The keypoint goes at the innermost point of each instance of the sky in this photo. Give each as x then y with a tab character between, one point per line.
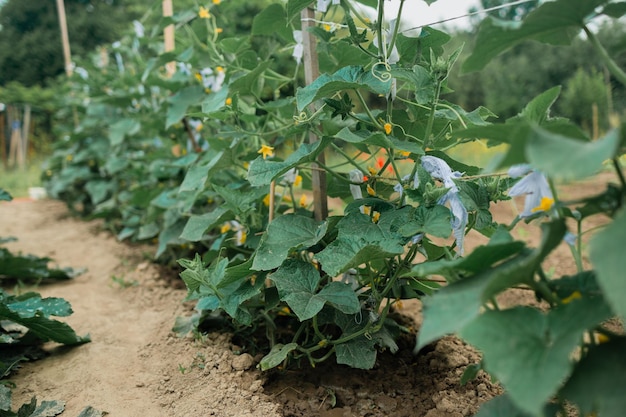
419	13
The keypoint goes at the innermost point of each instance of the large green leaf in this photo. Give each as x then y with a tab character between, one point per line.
264	171
215	101
358	353
180	102
34	305
564	158
197	276
542	345
364	136
556	22
538	109
597	384
297	283
284	234
246	84
433	221
122	128
347	78
502	405
608	259
294	7
359	240
459	304
197	225
240	201
421	82
44	328
272	21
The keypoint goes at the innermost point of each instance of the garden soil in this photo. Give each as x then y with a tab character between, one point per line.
136	366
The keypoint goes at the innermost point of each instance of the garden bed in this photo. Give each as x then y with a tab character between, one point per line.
135	365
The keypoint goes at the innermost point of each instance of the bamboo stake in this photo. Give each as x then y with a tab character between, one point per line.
67	56
3	143
312	72
168	35
25	133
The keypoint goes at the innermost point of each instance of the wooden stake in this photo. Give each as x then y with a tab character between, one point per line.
168	35
25	133
3	143
311	73
67	56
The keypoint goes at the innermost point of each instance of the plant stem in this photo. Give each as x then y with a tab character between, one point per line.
604	55
542	288
397	26
620	174
367	110
345	155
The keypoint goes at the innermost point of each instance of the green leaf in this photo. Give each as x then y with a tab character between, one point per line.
358	353
5	398
500	406
122	128
180	102
4	195
49	409
194	179
294	7
264	171
563	158
341	296
34	305
615	10
543	344
297	283
198	224
44	328
98	190
597	384
457	305
556	22
433	221
359	240
538	109
364	136
285	234
607	256
89	411
272	21
347	78
421	80
197	276
277	355
215	101
170	235
247	83
240	201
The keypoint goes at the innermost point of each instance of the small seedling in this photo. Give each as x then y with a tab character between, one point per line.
123	282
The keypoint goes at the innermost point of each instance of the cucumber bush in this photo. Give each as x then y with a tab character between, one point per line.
216	164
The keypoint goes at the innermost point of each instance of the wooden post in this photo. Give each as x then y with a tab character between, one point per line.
311	73
168	35
67	56
3	142
25	133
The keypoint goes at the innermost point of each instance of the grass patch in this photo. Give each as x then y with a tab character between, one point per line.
17	181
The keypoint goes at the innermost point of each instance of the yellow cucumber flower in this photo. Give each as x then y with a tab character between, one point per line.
266	151
203	13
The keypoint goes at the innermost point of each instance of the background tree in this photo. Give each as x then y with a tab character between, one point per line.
30	40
